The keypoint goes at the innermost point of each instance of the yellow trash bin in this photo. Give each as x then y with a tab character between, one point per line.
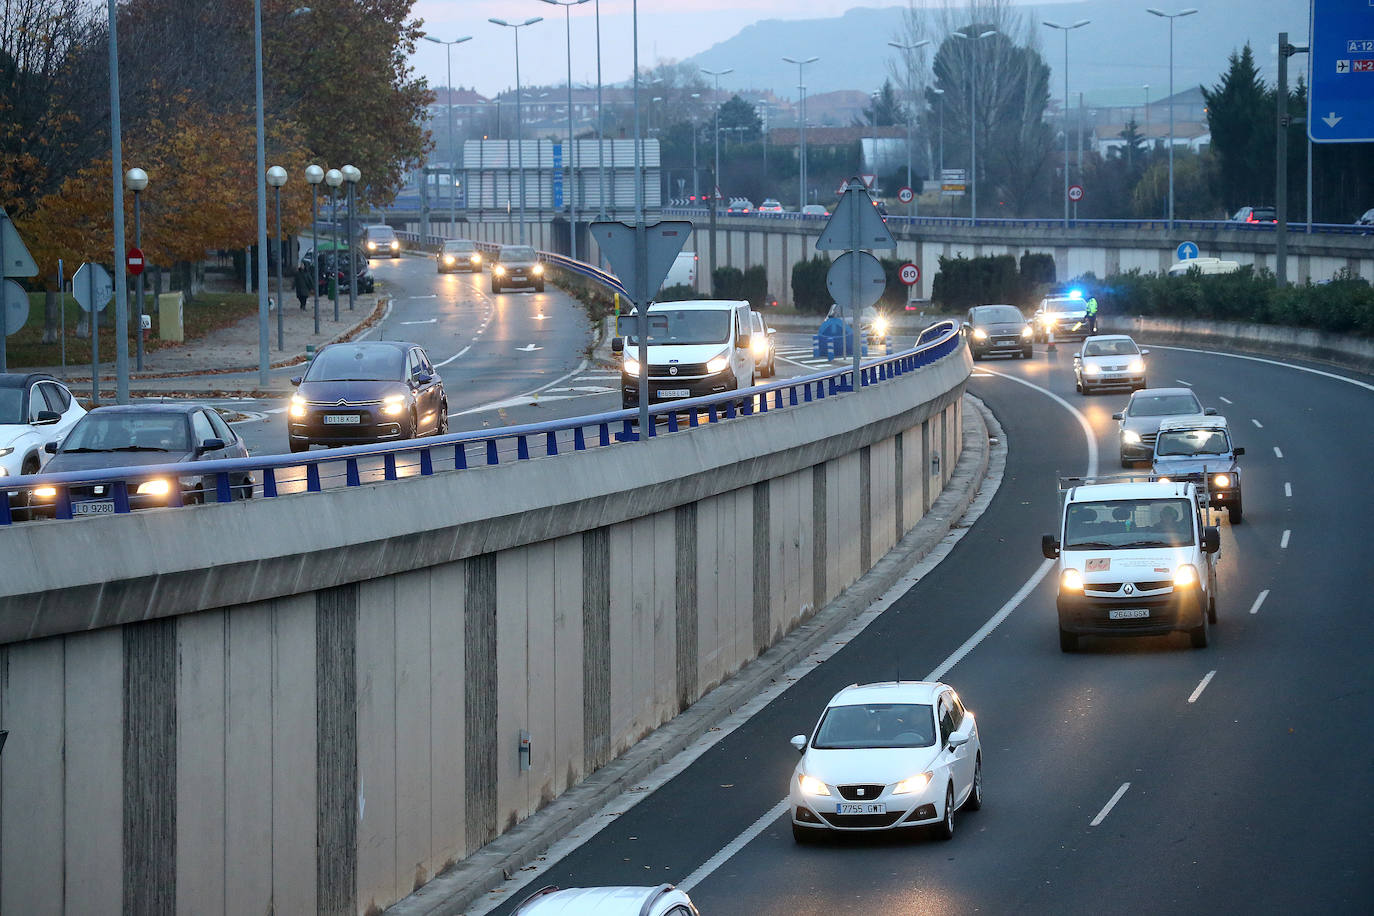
169	317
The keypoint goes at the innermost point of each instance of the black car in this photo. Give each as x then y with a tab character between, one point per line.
335	264
373	391
142	434
997	329
458	254
381	242
516	265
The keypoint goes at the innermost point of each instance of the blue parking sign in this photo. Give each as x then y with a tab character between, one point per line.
1341	72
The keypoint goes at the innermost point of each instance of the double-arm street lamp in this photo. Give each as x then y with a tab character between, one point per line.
801	125
717	74
452	150
1066	29
907	50
973	119
519	128
1171	17
572	140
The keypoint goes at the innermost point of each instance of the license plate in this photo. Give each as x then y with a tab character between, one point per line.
674	392
93	507
1129	613
342	419
860	808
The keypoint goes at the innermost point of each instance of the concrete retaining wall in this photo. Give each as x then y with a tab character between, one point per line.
1349	352
316	702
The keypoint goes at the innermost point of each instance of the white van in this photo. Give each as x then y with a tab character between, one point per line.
1136	558
1204	266
696	348
683	272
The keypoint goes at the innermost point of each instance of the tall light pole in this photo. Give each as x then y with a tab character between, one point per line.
696	186
941	93
1066	29
519	128
276	177
136	180
121	300
600	130
801	124
911	106
1171	17
568	164
352	176
313	176
334	178
717	74
260	188
973	120
452	151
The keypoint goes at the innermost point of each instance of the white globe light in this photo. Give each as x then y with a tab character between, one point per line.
351	174
333	178
314	174
136	179
276	176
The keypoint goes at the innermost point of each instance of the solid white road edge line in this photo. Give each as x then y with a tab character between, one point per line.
1283	541
1107	809
1259	599
380	324
1275	362
1197	692
453	357
734	846
1278	452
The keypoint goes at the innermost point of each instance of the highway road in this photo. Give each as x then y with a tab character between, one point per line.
1137	775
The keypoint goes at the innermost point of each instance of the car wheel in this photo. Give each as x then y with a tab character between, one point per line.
441	429
539	288
1068	642
975	793
1212	605
1235	512
245	489
299	446
495	287
1127	463
31	466
1199	634
945	829
803	835
1027	353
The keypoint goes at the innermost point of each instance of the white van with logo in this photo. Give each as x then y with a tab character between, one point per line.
1136	558
696	348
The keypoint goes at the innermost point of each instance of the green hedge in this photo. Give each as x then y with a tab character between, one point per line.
750	284
1345	305
808	285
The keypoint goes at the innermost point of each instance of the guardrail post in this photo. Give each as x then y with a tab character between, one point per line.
351	477
551	443
605	437
222	494
63	503
460	456
694	418
579	440
389	466
312	478
522	448
672	422
491	452
269	482
121	496
5	517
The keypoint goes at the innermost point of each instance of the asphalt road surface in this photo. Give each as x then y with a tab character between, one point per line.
1240	773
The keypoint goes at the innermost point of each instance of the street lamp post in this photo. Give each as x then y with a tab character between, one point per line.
568	164
313	176
941	93
973	121
137	180
519	128
121	300
715	176
696	186
276	177
801	125
452	153
911	102
260	188
333	178
600	130
1171	17
1066	29
352	176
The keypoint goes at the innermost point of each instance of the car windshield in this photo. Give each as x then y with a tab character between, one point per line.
381	233
876	725
998	314
353	363
684	326
1062	305
119	431
1127	523
1189	442
517	253
459	247
1110	348
1163	405
11	403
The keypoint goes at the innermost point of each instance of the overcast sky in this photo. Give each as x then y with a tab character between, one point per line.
667	29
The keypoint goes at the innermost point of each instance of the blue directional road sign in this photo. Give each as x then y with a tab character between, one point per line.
1341	72
558	176
1187	251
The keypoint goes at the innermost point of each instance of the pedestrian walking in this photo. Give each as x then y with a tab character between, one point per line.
302	285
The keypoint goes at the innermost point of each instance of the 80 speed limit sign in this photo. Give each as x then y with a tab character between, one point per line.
909	274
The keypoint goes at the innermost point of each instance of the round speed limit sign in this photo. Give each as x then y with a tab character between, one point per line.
909	274
906	195
1075	192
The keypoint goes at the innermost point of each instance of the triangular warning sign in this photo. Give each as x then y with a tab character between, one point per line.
17	260
855	225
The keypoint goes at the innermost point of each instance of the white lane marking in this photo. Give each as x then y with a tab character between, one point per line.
423	321
527	348
1197	692
1184	382
1107	809
734	846
453	357
276	410
1259	599
1288	489
523	398
1083	424
1258	424
1275	362
1224	400
1283	541
431	296
1002	614
1278	452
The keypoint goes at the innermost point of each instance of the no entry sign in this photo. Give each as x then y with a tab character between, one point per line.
134	261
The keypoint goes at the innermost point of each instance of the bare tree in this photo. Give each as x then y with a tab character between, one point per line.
910	71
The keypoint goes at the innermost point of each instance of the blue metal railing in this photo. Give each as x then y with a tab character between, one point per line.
278	475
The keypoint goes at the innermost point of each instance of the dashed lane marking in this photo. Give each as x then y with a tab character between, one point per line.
1283	541
1107	809
1278	452
1259	599
1197	692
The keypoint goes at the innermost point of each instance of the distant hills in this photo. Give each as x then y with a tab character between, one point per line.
1124	47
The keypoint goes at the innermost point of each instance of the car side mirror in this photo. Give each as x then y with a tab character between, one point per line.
742	342
617	345
1238	451
771	331
423	378
47	417
1209	411
1116	416
1211	539
1049	546
799	742
297	380
50	448
1145	352
958	740
211	445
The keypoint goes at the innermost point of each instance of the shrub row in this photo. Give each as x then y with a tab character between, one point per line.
965	282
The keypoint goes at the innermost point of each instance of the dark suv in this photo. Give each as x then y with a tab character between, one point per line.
516	265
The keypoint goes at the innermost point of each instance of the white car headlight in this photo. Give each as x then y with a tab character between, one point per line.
980	334
1092	369
449	259
912	784
880	328
476	259
158	487
1166	480
1130	437
1027	332
1071	580
631	366
718	364
1221	480
539	270
810	785
297	408
395	246
499	270
371	246
759	346
45	492
393	405
1185	575
1137	365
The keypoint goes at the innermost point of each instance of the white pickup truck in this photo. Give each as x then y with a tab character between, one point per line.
1136	557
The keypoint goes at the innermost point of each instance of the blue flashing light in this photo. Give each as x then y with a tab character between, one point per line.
1075	294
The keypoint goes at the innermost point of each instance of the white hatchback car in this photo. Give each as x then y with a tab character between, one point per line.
1109	361
663	900
34	409
887	756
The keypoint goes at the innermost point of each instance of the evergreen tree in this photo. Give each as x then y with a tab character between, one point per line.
1240	115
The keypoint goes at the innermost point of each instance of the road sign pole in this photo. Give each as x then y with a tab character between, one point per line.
138	279
854	230
641	294
4	316
95	337
62	314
